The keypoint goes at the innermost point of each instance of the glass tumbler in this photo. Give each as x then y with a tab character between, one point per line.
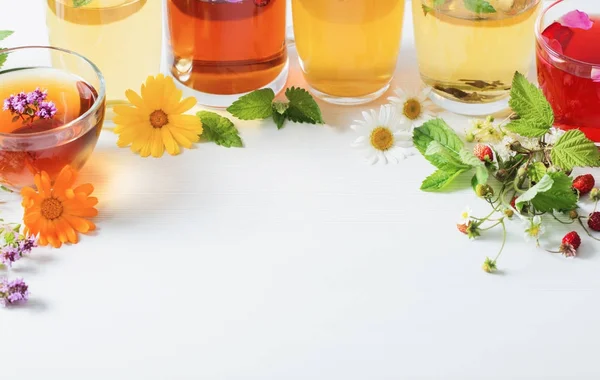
122	37
222	49
348	49
568	64
469	54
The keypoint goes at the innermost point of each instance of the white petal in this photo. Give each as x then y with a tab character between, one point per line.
424	94
401	94
382	158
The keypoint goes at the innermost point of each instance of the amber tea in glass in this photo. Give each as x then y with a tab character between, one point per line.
32	141
224	48
469	53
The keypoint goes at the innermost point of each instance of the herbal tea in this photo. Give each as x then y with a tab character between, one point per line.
471	57
348	48
568	86
39	100
226	47
122	37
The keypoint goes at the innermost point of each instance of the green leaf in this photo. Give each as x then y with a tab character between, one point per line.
479	6
426	9
219	130
3	58
280	107
302	107
574	149
437	3
253	106
278	118
80	3
439	180
553	192
437	130
481	173
5	33
536	171
534	111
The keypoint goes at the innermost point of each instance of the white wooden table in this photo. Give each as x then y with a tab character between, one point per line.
291	259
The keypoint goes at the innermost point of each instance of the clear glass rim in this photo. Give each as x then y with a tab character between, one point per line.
97	103
539	29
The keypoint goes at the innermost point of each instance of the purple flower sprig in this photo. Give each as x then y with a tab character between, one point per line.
28	106
15	245
13	292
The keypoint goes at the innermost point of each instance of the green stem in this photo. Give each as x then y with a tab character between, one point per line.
492	226
561	221
503	241
586	230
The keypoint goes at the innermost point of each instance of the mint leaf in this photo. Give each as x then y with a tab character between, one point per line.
280	107
302	107
437	3
3	58
253	106
479	6
536	171
440	179
437	130
574	149
219	129
534	111
278	116
80	3
426	9
5	33
553	192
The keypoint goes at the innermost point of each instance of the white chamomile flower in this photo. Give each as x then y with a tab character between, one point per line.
383	137
534	228
414	107
465	216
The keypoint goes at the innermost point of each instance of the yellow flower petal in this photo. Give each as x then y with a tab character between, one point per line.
185	105
170	144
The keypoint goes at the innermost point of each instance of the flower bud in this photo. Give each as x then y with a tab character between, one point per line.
521	172
470	137
502	175
573	214
509	213
484	191
595	194
489	265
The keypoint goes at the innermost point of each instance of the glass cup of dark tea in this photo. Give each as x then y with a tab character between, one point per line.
50	116
568	63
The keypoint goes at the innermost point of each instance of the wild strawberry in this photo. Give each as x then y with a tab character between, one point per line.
261	3
513	202
594	221
584	183
463	228
570	244
483	152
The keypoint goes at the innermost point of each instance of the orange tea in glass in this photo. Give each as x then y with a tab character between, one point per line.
223	49
51	116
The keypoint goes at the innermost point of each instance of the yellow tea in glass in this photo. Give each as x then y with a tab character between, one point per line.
51	115
348	49
222	49
469	50
122	37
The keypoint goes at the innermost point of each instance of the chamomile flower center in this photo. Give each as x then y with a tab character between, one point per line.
51	208
382	138
412	108
158	119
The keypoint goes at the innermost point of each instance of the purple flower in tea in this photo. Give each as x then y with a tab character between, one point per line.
37	96
9	255
16	103
576	19
13	292
46	110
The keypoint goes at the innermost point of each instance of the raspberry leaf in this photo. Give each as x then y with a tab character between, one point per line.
440	179
574	149
534	111
253	106
536	171
219	130
553	192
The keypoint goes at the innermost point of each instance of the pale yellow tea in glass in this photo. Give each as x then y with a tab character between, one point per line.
348	49
122	37
469	50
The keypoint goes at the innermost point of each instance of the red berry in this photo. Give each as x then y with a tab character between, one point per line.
261	3
512	202
483	152
594	221
584	183
462	228
570	244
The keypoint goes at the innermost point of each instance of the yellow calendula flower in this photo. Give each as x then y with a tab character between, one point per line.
156	122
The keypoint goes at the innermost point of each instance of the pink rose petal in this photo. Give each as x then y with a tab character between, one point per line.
576	19
596	74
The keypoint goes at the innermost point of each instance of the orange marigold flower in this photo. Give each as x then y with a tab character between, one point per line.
56	212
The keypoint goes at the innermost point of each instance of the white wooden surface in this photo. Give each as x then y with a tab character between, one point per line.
291	259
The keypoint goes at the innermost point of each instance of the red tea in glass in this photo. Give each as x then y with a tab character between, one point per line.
568	60
57	127
225	48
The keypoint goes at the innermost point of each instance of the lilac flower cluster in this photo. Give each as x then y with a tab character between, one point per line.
16	249
13	292
30	104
